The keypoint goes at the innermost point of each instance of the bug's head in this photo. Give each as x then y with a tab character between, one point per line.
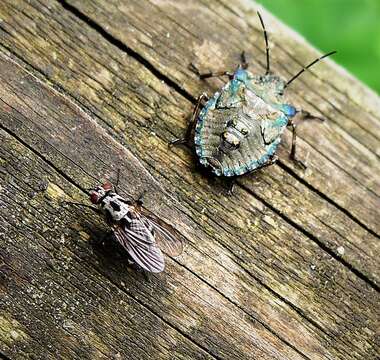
270	87
98	192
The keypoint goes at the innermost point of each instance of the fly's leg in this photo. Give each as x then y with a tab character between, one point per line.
194	116
117	181
137	268
132	264
129	259
140	199
305	115
104	239
116	186
83	205
144	273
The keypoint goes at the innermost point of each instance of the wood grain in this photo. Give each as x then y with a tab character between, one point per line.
87	92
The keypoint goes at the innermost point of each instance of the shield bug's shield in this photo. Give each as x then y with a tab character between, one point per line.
239	128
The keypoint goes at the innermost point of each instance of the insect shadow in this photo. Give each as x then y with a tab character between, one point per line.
110	255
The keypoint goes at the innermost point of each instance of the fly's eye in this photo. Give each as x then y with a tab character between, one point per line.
94	198
244	131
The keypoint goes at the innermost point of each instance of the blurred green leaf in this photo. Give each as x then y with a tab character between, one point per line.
352	27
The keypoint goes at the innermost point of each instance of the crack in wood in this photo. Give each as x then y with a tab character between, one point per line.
317	241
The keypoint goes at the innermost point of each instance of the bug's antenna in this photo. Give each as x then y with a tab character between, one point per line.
266	42
303	69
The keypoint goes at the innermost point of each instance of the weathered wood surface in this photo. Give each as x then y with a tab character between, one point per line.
285	269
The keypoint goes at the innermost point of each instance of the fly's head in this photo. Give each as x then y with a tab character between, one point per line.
99	192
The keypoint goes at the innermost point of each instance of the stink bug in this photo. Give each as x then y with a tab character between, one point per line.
238	129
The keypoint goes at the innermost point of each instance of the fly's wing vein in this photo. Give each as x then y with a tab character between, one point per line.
170	240
141	245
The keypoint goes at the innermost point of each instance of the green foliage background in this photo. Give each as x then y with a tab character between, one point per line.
352	27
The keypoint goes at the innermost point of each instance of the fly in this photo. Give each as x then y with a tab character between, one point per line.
141	233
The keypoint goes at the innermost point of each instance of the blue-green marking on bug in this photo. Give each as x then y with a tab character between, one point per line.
288	110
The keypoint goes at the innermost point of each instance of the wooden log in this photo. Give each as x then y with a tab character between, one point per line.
264	274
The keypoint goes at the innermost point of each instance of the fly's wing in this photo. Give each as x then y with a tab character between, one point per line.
168	239
140	244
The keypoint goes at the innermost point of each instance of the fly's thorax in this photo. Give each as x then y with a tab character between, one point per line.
114	206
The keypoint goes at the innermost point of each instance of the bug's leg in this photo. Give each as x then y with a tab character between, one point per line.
232	181
294	147
243	61
211	73
216	74
271	161
192	122
243	65
231	186
305	115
